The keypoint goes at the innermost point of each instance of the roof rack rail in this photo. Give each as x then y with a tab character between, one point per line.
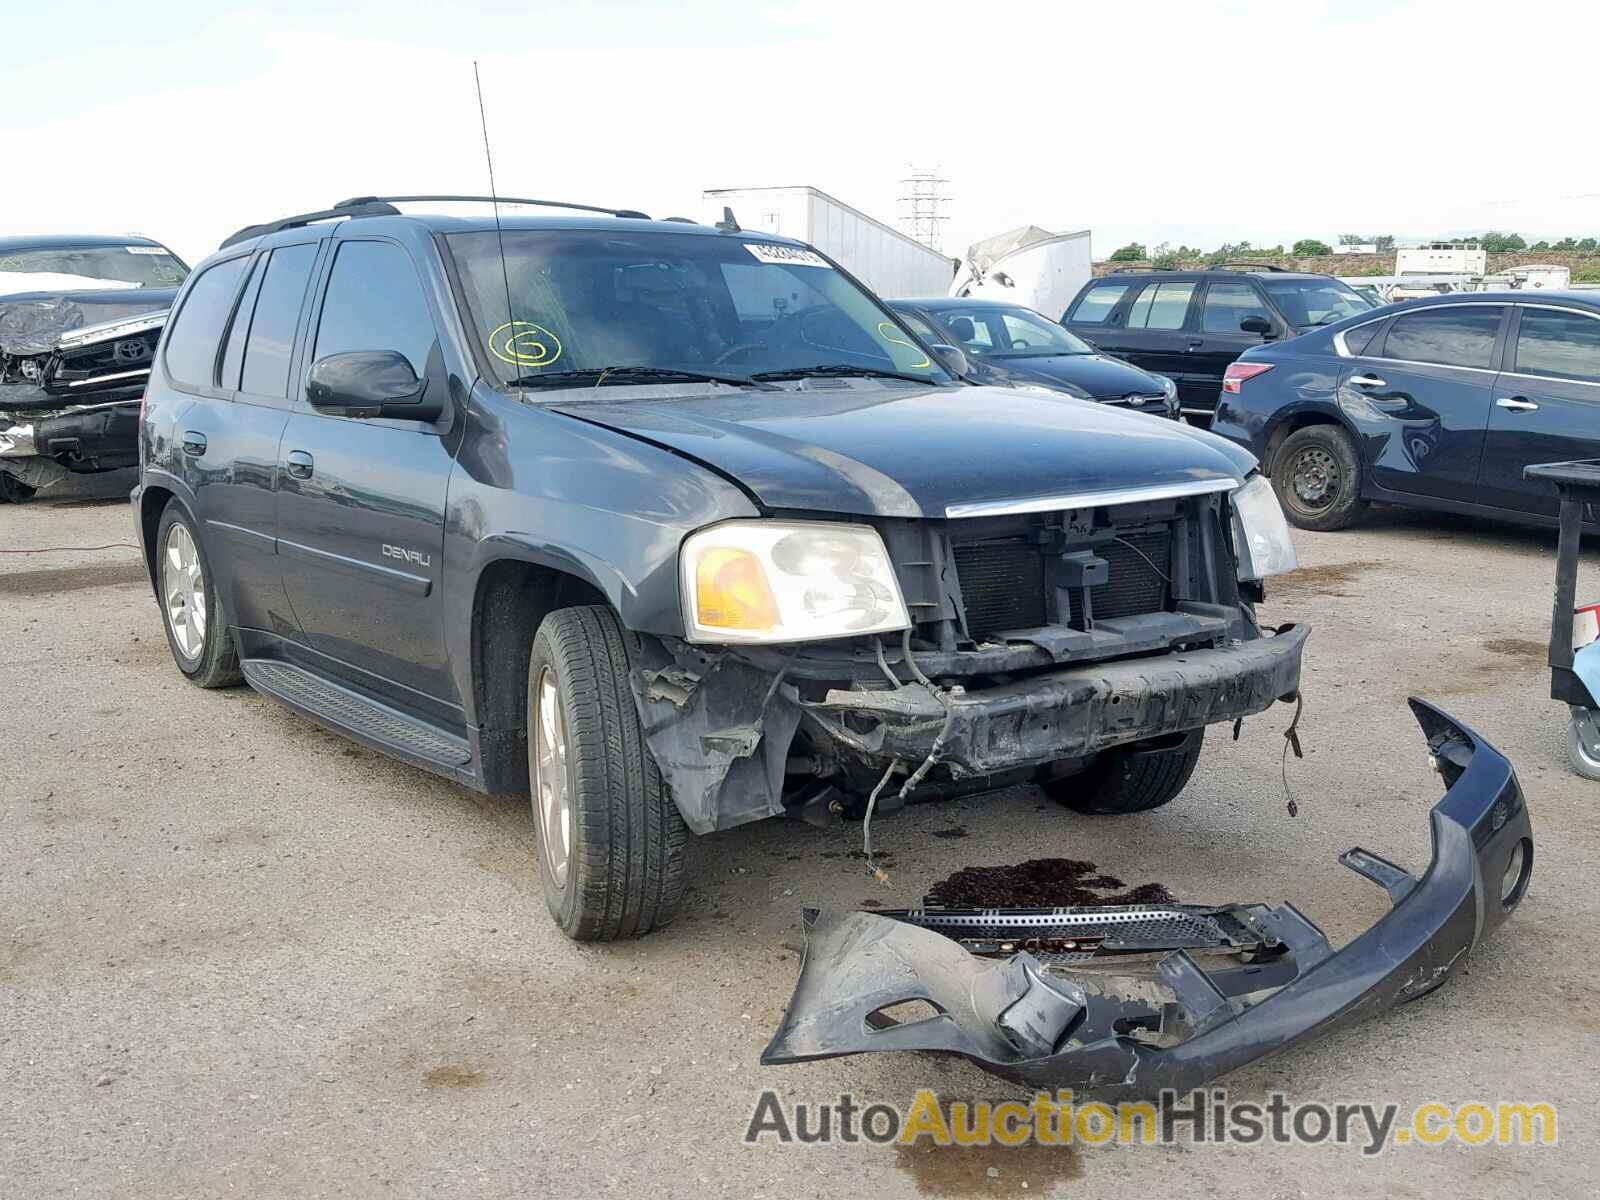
384	206
1246	265
1137	270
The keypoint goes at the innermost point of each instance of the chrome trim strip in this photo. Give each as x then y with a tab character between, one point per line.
98	379
1344	351
108	330
1160	491
1549	379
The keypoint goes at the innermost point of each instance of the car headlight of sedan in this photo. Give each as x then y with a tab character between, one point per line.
1169	388
788	581
1260	534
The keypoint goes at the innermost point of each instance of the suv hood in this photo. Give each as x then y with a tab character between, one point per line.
872	449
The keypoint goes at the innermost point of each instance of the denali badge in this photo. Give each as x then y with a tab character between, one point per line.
410	556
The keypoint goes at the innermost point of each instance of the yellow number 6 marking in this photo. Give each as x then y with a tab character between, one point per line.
524	344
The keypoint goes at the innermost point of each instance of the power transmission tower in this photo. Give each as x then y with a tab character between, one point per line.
921	203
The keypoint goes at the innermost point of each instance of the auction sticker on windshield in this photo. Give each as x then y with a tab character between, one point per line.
787	256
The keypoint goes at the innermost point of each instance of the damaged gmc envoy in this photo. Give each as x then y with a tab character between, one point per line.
681	526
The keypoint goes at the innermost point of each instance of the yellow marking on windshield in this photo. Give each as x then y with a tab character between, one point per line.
889	333
524	344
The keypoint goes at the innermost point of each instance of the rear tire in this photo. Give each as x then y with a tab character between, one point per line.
13	490
1317	475
1583	757
611	841
191	614
1131	779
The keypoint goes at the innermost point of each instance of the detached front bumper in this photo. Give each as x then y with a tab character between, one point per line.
1117	1035
1069	713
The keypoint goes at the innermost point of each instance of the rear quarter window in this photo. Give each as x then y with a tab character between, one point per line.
191	353
1358	339
1096	305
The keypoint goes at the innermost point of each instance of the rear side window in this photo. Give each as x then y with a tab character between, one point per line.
191	352
1229	303
1097	303
1452	337
1163	306
1358	339
1562	345
277	312
375	302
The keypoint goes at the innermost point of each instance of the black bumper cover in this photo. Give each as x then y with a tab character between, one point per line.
1067	713
1036	1027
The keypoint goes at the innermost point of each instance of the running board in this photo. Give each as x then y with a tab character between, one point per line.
356	716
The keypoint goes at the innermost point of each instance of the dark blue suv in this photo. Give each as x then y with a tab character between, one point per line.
1437	403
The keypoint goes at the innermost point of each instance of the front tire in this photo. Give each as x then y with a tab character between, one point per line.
1583	754
191	614
611	841
1317	475
1131	779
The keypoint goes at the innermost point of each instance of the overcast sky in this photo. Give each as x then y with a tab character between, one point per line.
1182	122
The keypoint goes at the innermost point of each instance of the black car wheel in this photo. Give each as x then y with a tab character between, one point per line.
1131	779
191	614
1317	475
611	840
13	490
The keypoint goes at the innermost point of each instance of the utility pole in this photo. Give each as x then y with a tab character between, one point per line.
921	202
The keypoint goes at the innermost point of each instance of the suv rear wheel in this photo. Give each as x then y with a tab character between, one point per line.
190	611
611	841
1317	475
1131	779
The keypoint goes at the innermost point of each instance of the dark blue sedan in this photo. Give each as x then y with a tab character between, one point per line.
1009	344
1437	403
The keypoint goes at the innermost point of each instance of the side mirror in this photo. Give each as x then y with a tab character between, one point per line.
952	359
369	383
1257	325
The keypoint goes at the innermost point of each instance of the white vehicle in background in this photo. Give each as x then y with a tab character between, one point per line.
1029	266
886	260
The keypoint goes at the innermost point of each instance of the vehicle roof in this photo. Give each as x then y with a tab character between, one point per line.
434	222
1217	273
942	303
72	241
1504	296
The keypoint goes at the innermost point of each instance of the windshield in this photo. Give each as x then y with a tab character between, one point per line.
1316	302
592	300
88	268
990	332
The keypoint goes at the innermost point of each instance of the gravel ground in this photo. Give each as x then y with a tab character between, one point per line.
241	956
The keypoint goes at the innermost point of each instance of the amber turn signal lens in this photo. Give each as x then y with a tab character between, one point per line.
731	591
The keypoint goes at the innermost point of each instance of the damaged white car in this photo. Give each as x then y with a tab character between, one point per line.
80	317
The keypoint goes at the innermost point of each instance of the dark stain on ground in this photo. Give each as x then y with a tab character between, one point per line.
51	580
452	1075
955	831
1040	883
961	1171
1320	579
1516	647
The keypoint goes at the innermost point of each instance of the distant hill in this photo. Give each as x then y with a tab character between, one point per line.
1585	267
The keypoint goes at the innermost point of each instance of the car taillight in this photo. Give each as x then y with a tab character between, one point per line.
1585	625
1233	378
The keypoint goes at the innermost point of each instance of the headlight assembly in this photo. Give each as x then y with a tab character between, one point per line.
788	581
1260	534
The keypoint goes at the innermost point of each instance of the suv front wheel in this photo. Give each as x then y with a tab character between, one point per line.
191	612
611	841
1317	475
1131	779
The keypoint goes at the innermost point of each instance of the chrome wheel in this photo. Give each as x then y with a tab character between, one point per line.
183	591
1316	478
550	785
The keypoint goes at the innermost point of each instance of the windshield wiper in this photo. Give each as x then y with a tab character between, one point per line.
603	376
827	370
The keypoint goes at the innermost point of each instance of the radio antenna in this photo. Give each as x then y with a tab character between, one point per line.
499	237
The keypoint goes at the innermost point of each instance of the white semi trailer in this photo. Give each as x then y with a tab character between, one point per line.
884	259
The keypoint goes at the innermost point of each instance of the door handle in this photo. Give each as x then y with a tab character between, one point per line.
1367	381
1516	404
1196	343
299	464
194	443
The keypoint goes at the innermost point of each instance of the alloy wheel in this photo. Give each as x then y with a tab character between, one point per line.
551	783
183	591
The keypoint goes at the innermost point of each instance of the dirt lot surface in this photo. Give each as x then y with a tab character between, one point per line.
240	956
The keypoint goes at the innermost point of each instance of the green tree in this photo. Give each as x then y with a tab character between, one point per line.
1384	242
1587	244
1165	258
1540	246
1311	248
1565	243
1496	242
1132	252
